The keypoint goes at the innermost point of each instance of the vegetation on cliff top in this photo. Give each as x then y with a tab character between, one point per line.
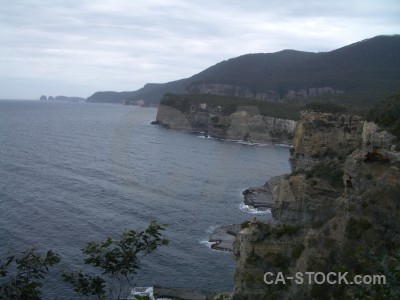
229	105
387	114
328	107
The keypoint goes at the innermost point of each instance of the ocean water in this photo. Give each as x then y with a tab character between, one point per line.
71	173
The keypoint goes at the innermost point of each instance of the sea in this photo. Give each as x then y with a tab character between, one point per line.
73	173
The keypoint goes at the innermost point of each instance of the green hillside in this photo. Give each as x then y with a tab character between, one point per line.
361	74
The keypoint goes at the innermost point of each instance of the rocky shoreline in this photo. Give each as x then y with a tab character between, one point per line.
164	292
223	237
261	197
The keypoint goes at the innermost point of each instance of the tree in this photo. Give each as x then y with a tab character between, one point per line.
118	261
30	269
387	114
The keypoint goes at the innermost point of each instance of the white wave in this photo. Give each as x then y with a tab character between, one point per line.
251	210
202	136
207	243
283	145
211	229
251	143
143	291
246	143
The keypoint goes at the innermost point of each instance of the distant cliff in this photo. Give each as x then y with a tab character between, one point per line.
272	95
337	211
150	94
223	118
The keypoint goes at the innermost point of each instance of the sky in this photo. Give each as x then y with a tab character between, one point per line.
78	47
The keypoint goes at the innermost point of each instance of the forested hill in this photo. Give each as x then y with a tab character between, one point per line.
361	73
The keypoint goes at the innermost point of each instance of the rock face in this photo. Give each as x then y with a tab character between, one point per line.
261	197
223	89
223	236
321	135
339	205
246	123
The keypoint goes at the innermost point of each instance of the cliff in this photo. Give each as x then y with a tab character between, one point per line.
150	93
273	95
337	211
223	120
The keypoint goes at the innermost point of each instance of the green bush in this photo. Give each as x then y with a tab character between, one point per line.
21	277
278	260
387	114
245	224
317	224
297	250
327	107
356	228
215	119
290	230
330	171
117	262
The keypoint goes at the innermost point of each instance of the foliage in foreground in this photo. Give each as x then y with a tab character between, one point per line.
117	261
24	281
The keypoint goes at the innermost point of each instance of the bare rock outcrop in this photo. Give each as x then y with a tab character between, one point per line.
324	135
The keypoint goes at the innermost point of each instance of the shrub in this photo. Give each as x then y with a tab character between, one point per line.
387	114
245	224
317	224
118	262
25	281
297	250
327	107
286	229
277	260
329	171
355	228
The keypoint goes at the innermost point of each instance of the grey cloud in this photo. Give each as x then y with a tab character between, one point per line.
95	45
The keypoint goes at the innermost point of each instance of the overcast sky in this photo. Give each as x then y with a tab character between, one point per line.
78	47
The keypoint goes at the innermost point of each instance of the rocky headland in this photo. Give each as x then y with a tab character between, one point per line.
223	121
337	211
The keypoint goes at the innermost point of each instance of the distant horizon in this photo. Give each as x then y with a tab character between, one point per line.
16	99
82	47
105	90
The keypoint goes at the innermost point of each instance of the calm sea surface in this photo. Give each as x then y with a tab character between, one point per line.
71	173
